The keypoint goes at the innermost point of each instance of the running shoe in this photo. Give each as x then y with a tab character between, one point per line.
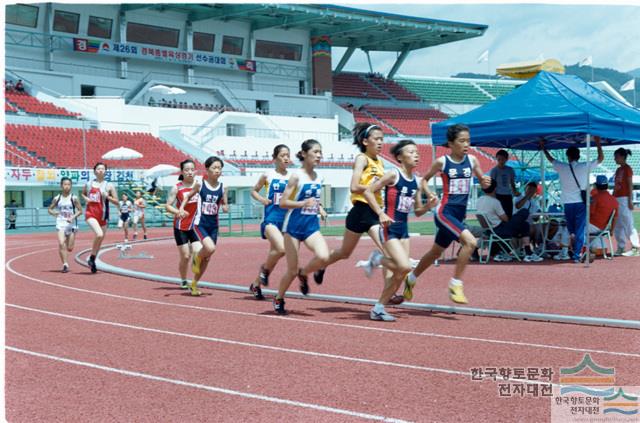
619	251
381	315
408	287
278	306
195	264
318	276
396	300
135	236
256	291
634	252
65	268
456	294
184	285
194	289
304	282
145	236
92	264
264	276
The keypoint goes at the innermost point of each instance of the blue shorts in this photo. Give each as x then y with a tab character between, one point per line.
203	231
396	230
278	224
450	223
302	229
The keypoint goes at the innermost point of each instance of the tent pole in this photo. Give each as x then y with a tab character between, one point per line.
586	225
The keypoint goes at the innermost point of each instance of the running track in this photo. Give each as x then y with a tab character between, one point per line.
82	347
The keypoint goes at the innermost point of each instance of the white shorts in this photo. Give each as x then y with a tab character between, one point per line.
68	228
136	218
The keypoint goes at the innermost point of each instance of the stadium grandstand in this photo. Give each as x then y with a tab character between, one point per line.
193	80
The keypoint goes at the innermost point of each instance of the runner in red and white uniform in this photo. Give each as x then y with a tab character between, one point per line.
97	194
186	238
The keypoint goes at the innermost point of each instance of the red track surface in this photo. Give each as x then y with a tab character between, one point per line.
121	349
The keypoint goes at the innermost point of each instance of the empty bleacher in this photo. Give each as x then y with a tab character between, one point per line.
408	121
21	157
441	91
32	105
8	108
64	147
263	159
497	90
390	87
354	85
360	115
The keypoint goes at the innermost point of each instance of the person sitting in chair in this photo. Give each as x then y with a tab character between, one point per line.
602	205
516	227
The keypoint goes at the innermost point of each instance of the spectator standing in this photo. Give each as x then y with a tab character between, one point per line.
505	177
573	184
623	191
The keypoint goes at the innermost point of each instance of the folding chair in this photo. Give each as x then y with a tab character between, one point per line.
490	236
606	232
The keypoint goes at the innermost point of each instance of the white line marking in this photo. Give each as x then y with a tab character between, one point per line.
276	400
315	322
245	344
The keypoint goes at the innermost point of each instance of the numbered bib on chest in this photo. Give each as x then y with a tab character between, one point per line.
313	210
405	204
209	208
459	186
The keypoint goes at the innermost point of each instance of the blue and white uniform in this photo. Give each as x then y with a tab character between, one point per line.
452	210
399	201
302	222
206	219
273	213
66	209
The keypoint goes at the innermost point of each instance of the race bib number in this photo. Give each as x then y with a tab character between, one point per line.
459	186
313	210
276	198
94	196
65	213
405	204
209	208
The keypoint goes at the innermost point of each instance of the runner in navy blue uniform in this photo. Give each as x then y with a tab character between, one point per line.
401	196
457	170
211	196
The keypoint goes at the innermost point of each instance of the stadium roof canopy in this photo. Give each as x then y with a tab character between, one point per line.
347	27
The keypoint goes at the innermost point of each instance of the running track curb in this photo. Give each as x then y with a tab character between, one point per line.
544	317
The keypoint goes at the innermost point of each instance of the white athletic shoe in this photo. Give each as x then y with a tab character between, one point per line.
502	258
634	252
381	315
533	258
414	263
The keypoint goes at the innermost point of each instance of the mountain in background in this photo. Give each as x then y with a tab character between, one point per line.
615	78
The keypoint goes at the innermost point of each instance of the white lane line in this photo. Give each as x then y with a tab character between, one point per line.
315	322
209	388
246	344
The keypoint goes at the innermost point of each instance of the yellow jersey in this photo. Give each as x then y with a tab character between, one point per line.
371	173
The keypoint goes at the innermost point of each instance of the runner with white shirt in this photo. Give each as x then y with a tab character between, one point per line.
66	208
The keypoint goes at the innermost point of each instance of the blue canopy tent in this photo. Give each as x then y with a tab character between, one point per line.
525	174
562	110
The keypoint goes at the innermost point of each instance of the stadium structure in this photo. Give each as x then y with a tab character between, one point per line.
193	80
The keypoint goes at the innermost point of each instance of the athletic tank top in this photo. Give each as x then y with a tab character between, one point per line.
125	206
400	197
370	174
191	207
208	204
456	181
66	208
306	188
275	186
136	208
98	207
